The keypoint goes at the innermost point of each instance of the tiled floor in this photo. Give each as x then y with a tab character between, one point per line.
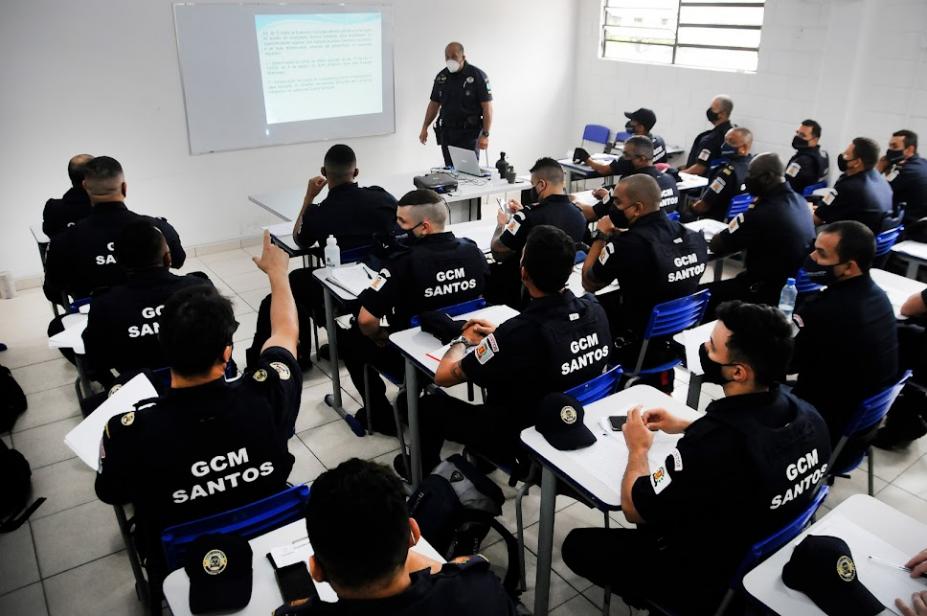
69	559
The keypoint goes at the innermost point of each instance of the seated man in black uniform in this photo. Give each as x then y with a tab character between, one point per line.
436	271
810	164
706	147
81	259
639	125
74	205
861	193
776	233
742	471
655	260
559	341
847	346
637	158
553	208
122	329
906	172
207	445
352	214
726	180
362	536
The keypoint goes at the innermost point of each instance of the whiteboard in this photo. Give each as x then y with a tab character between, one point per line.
257	75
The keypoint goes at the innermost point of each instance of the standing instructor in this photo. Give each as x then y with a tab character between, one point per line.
462	95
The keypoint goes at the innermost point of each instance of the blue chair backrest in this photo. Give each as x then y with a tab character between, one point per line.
674	215
353	255
454	310
804	284
809	190
596	133
762	549
874	408
595	389
580	257
887	239
676	315
739	205
622	136
247	522
77	303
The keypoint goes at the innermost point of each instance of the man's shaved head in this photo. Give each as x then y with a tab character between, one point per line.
103	178
643	189
76	168
745	135
454	47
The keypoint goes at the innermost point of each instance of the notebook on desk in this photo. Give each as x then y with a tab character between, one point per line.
353	278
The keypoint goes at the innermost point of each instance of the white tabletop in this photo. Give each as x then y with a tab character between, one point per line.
708	227
869	527
598	469
72	335
425	350
38	234
898	288
265	595
480	231
323	274
918	250
286	203
689	181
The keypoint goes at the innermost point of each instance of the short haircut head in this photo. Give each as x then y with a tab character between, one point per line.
641	145
761	337
76	168
358	523
867	150
908	136
767	169
425	203
548	258
102	176
140	245
745	134
725	102
454	46
340	163
642	188
856	242
814	126
197	324
548	169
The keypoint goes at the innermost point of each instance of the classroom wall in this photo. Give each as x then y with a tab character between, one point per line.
102	76
856	66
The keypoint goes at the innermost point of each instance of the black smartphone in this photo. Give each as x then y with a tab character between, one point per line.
616	421
294	581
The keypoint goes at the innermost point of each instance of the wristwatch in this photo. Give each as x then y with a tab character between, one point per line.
462	340
599	235
484	133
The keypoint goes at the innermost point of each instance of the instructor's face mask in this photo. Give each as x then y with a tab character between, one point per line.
799	142
453	66
711	368
711	114
820	274
894	156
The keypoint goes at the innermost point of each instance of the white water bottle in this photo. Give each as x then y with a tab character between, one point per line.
332	252
787	298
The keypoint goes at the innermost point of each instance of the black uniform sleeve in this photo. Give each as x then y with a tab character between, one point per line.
498	358
616	259
483	89
516	232
836	205
738	234
601	208
57	267
279	378
812	320
800	172
178	254
315	227
119	457
669	490
52	222
436	90
96	336
382	295
721	189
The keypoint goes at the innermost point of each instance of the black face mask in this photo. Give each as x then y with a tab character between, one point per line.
711	368
754	186
618	217
820	274
623	167
799	143
629	128
894	156
711	115
841	163
728	151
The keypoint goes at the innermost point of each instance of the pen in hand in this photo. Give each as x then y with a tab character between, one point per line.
887	563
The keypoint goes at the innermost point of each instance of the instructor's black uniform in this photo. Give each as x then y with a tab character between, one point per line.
460	95
741	472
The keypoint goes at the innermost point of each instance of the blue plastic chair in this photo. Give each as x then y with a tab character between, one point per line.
454	310
595	389
622	136
870	412
739	205
886	239
804	284
668	319
247	522
596	133
674	215
809	190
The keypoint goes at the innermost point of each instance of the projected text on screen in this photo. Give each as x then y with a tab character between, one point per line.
320	66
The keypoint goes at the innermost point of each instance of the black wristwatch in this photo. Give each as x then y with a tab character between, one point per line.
461	340
598	235
484	133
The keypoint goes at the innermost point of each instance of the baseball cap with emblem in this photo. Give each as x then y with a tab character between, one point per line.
219	567
645	116
822	567
560	421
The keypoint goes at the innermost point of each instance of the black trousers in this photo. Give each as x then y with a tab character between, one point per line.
358	351
310	305
632	564
466	138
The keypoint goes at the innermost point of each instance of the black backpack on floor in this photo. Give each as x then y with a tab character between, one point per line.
15	489
455	506
12	400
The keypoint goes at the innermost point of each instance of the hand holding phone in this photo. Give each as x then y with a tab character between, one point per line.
294	581
617	421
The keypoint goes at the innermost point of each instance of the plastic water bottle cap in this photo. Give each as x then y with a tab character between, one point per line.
790	281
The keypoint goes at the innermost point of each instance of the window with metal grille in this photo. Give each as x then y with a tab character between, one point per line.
723	34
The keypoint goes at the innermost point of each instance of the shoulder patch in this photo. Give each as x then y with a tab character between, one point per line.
829	197
893	174
717	185
607	251
728	170
515	223
282	370
127	419
704	155
486	349
377	283
677	460
793	169
735	223
660	479
441	78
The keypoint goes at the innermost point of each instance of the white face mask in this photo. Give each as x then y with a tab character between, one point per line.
453	66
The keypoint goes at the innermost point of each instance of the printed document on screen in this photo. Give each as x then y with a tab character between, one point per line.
320	66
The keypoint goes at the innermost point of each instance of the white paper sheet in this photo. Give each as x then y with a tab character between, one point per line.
84	439
72	336
352	278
